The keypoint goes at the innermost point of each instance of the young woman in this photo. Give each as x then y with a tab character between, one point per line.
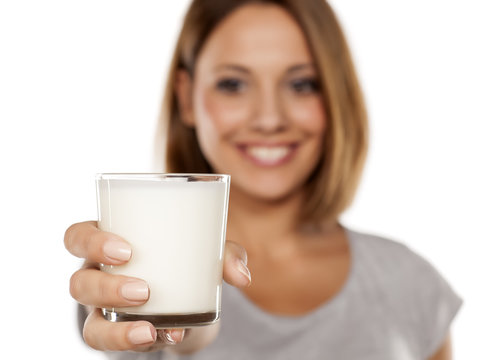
266	91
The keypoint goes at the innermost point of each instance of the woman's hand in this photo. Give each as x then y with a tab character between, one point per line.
96	289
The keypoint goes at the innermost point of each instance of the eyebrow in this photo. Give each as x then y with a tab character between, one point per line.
243	69
234	67
301	67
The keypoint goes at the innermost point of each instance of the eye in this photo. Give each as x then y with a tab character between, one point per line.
231	85
305	85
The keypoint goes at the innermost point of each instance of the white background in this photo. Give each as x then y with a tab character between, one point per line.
80	89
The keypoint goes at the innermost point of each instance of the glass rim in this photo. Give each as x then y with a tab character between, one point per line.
186	177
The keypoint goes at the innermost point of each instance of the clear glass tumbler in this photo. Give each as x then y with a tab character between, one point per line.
176	226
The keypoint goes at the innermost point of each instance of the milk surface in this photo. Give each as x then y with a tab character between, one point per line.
177	233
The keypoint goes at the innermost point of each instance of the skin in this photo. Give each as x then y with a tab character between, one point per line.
96	289
257	88
254	91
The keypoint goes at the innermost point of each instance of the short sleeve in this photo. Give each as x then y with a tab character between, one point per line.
437	305
415	299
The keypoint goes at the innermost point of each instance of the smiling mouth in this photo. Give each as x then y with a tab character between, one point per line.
266	155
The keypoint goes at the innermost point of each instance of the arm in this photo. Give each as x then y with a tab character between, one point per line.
444	352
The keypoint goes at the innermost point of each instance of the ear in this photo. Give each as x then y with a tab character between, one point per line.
184	90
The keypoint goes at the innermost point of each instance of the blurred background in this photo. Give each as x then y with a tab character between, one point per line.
80	90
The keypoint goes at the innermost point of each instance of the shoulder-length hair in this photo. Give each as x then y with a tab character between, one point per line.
332	185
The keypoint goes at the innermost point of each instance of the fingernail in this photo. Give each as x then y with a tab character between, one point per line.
172	337
177	335
167	338
117	250
135	290
141	335
244	270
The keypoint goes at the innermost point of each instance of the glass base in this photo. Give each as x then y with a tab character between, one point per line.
165	321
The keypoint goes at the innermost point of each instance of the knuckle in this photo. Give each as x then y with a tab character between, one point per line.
103	290
107	290
94	243
95	236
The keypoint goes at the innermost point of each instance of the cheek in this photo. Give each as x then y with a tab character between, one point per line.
219	113
309	114
217	120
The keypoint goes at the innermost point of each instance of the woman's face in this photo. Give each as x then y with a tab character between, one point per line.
255	102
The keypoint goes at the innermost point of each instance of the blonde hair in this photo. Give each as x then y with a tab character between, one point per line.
332	185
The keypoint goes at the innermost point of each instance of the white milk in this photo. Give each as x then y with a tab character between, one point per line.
177	232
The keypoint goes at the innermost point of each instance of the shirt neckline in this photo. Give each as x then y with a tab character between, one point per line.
324	308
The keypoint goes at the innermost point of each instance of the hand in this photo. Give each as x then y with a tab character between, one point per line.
96	289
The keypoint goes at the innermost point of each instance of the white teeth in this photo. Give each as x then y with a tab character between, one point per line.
269	154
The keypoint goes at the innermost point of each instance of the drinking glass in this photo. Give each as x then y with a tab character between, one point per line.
175	224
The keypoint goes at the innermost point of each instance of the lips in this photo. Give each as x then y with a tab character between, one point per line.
268	155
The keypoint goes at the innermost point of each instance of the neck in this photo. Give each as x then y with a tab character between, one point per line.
264	226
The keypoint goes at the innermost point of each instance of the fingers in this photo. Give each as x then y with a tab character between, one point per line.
99	289
86	241
235	271
101	334
171	336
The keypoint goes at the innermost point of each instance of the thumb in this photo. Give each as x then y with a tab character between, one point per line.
235	271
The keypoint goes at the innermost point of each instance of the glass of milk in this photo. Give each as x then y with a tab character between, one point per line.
176	226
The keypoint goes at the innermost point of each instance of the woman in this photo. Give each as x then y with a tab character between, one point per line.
266	91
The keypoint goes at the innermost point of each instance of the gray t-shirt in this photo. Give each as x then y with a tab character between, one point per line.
393	306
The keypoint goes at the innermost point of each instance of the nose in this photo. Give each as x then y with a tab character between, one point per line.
269	116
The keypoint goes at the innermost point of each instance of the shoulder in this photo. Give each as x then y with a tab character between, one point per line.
395	264
387	255
407	284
